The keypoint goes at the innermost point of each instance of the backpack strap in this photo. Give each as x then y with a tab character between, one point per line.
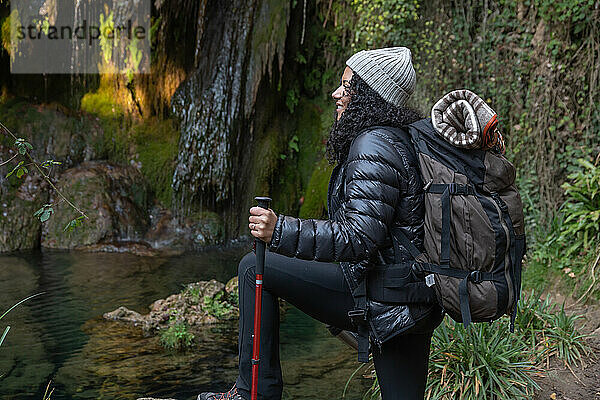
446	190
399	236
463	288
397	283
358	316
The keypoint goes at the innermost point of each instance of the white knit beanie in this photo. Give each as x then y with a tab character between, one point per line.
388	71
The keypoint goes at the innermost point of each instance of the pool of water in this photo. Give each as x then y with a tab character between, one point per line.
60	336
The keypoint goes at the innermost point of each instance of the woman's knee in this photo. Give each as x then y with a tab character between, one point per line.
246	265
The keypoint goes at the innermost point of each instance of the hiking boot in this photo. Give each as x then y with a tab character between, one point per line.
232	394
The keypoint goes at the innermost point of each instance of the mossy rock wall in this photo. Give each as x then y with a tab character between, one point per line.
19	229
115	201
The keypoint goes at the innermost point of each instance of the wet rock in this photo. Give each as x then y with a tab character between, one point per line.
214	100
231	287
54	131
137	248
117	362
199	304
113	197
124	314
189	233
19	229
152	398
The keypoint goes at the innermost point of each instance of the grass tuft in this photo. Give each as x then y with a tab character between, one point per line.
486	361
177	336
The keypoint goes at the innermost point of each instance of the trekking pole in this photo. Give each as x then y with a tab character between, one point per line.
263	202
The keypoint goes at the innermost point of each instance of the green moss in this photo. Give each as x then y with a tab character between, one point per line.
315	199
268	150
70	134
270	25
102	103
297	167
218	306
114	122
156	146
312	131
152	142
16	113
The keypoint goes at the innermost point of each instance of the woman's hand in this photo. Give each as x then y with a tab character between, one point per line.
262	223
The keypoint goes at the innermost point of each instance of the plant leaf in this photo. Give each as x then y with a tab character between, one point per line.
4	335
20	302
14	169
46	215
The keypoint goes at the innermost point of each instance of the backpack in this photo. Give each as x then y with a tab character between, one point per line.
474	230
474	238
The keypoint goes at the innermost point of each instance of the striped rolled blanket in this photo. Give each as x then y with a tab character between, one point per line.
465	120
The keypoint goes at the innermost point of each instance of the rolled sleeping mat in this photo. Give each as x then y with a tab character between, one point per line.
465	120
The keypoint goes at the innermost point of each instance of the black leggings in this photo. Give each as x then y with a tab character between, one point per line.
320	290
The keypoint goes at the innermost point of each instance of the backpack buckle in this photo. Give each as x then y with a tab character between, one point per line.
417	269
460	189
358	316
475	277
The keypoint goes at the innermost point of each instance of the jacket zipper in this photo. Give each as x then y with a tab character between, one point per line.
331	183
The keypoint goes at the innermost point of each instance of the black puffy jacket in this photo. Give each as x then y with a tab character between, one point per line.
376	190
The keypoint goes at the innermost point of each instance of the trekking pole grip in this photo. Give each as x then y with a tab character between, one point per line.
263	202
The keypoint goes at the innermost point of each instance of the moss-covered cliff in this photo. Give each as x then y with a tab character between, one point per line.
232	108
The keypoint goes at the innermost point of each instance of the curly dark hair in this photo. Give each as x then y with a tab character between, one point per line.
366	108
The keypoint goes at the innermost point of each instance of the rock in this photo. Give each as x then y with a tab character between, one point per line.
125	315
19	228
190	233
113	197
137	248
232	286
54	133
152	398
199	304
208	288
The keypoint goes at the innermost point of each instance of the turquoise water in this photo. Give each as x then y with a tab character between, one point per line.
60	336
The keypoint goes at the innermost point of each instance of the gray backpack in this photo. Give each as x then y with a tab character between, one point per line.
474	234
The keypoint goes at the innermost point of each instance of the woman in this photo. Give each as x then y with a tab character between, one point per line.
374	192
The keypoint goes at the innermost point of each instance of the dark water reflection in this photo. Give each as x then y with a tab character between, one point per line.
60	336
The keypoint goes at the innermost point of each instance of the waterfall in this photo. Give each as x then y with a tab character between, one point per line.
240	40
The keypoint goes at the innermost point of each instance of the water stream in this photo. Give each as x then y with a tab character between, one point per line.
61	337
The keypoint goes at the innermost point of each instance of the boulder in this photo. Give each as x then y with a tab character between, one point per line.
190	233
54	133
198	304
19	228
114	199
124	314
231	287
